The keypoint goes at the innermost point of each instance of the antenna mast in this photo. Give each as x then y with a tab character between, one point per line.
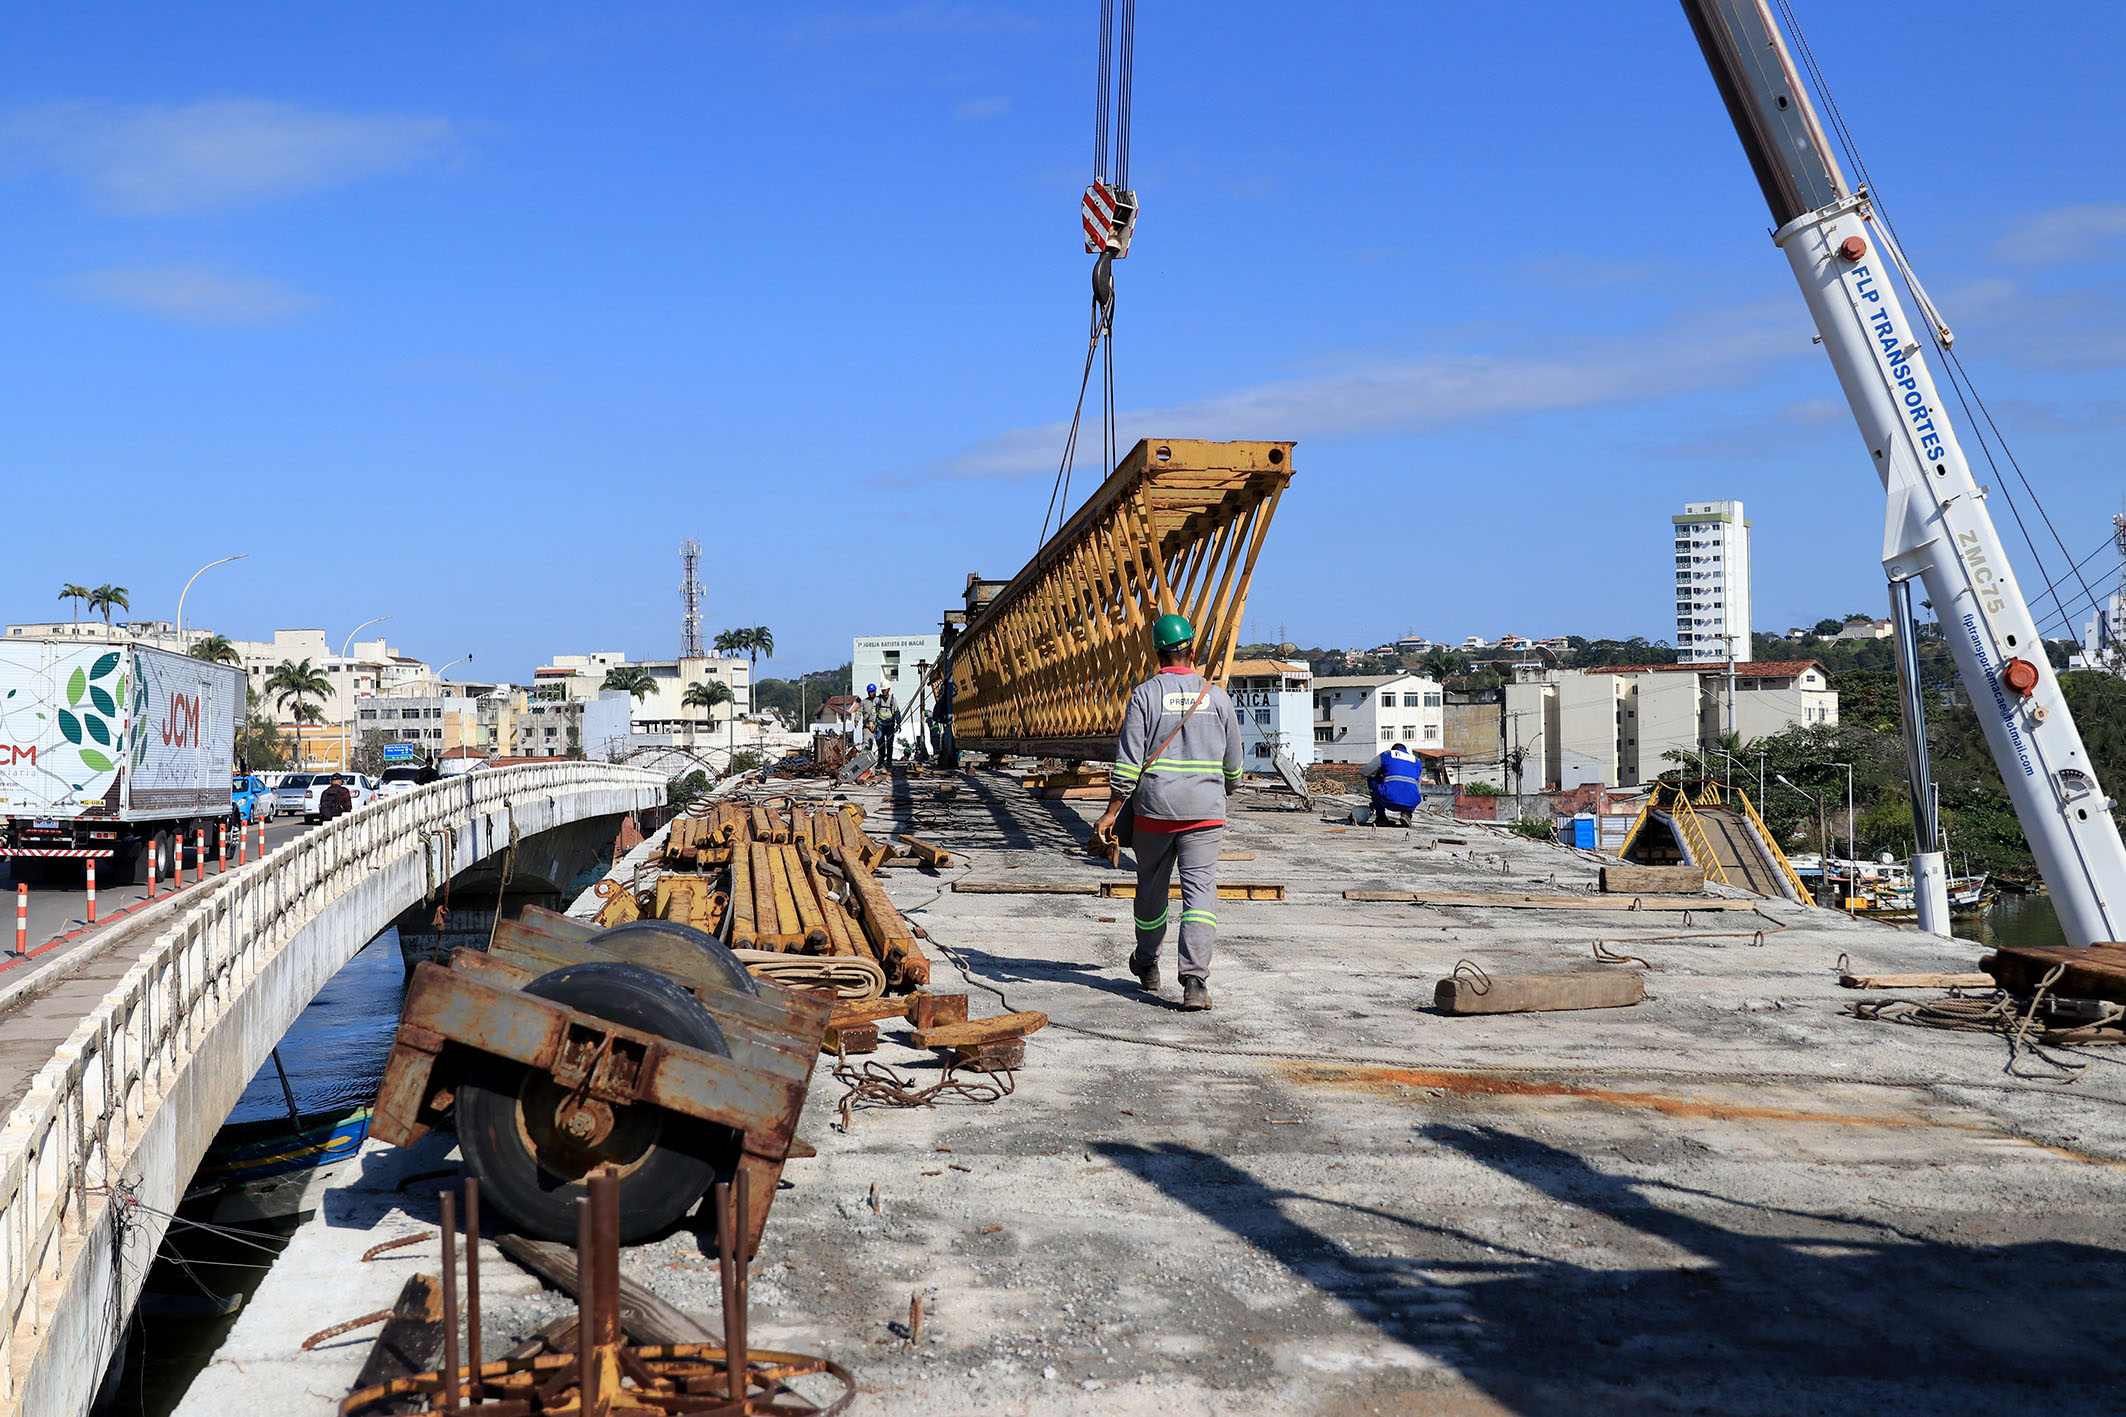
689	599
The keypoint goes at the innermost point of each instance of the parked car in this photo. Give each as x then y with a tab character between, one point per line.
361	791
288	792
252	799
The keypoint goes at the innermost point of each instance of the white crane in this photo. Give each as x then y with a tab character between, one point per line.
1938	529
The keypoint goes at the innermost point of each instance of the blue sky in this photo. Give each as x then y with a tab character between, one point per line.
467	314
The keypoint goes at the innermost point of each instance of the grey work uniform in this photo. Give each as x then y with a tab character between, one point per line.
1180	807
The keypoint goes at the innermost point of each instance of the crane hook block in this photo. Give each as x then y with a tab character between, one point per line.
1109	218
2020	675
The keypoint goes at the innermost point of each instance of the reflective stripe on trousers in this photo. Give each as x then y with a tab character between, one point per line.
1195	852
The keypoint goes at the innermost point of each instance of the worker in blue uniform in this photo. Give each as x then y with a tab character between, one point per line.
1392	780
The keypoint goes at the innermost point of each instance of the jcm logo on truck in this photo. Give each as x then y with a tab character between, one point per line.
12	753
180	726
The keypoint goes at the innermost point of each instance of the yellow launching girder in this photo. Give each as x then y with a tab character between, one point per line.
1048	666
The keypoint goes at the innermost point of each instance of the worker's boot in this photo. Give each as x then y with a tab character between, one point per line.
1147	972
1195	994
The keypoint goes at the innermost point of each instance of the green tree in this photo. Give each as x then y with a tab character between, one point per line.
368	755
108	597
631	679
298	683
79	594
215	649
259	740
1443	663
706	696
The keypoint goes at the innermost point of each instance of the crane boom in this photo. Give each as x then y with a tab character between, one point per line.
1937	529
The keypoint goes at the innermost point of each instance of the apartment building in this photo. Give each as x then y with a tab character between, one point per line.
1274	700
1356	716
1712	545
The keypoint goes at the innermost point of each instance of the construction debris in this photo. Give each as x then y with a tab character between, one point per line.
606	1374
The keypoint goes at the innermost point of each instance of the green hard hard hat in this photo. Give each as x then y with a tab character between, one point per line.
1170	631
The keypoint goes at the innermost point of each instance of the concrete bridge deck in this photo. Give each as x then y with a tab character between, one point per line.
100	1142
1326	1198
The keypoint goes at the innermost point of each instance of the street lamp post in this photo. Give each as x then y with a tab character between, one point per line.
347	723
1823	831
1852	852
181	645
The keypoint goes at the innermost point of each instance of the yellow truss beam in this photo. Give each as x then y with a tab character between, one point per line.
1048	666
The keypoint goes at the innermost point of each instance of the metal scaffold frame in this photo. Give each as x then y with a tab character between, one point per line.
1048	666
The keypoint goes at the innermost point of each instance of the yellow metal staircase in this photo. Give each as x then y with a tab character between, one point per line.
1715	827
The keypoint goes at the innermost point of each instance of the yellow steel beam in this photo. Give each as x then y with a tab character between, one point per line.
1178	527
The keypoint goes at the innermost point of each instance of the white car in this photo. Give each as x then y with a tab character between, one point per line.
361	791
402	778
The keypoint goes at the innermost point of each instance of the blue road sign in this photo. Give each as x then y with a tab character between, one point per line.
398	752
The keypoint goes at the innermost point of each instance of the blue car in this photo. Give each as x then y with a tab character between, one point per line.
251	799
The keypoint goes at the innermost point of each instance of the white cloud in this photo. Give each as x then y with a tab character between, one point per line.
169	161
1432	391
193	294
2064	234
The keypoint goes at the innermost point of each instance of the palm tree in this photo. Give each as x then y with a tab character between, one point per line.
78	594
298	682
632	679
107	596
707	696
215	649
1443	663
752	643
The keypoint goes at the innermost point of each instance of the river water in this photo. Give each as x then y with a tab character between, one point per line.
2014	922
335	1051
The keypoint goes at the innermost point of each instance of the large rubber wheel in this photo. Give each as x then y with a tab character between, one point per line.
669	946
532	1170
159	853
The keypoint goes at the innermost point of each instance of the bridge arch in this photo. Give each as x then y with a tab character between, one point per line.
96	1156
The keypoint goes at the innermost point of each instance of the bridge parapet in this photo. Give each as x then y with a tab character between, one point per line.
92	1161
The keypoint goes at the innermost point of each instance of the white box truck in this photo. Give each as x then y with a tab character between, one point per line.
108	751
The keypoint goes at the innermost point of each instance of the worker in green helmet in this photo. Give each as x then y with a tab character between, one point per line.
1177	760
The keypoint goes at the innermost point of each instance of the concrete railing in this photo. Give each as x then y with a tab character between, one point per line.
96	1156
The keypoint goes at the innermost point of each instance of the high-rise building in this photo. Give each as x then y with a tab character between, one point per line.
1712	582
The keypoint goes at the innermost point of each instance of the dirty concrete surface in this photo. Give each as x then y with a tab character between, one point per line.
1324	1197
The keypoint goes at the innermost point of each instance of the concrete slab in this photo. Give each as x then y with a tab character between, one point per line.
1323	1197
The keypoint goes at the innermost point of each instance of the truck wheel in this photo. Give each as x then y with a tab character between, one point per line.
670	947
159	854
531	1147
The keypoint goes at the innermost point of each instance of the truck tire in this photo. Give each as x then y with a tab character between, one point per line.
654	943
533	1171
159	854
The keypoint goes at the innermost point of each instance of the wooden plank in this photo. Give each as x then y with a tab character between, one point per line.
1554	902
412	1338
1526	993
1916	981
1653	880
1074	794
1026	887
981	1030
2095	972
1227	890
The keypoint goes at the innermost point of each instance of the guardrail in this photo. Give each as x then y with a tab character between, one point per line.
1791	878
88	1108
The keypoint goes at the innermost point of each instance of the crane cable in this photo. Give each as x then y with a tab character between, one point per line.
1116	70
1960	381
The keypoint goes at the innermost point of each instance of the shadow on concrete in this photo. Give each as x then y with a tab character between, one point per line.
1789	1311
1021	820
1108	979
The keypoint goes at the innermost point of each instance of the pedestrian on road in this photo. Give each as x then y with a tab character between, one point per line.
1177	761
1391	780
335	800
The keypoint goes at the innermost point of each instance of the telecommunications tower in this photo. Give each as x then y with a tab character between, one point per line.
690	599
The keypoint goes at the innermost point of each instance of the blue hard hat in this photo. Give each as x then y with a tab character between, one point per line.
870	688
